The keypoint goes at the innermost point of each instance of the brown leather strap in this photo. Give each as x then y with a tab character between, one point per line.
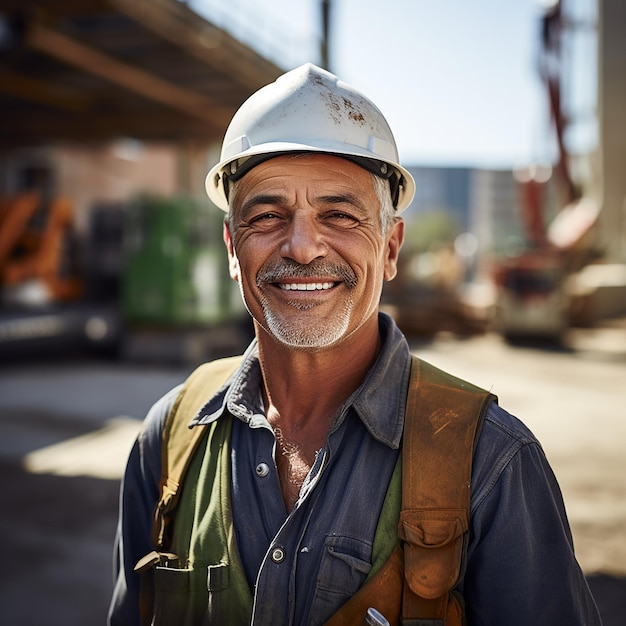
442	417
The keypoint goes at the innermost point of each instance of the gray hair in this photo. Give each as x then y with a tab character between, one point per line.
387	211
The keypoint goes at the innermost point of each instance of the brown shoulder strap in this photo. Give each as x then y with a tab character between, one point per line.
180	442
442	417
443	414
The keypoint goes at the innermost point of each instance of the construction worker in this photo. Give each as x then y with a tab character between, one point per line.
291	503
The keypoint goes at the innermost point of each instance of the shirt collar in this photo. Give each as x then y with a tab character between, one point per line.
239	395
379	404
380	401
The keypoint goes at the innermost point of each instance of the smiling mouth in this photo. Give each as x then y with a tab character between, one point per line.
316	277
306	286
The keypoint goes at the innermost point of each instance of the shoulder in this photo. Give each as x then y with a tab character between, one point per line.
183	402
519	535
157	415
503	443
201	382
500	426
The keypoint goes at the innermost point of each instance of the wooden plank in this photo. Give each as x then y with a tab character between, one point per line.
41	91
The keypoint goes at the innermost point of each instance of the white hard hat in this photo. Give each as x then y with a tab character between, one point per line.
309	110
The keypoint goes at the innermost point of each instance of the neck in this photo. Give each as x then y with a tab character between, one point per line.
310	385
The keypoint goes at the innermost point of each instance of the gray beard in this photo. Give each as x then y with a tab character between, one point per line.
293	331
296	333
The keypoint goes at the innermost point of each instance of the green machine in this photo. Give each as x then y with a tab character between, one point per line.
176	266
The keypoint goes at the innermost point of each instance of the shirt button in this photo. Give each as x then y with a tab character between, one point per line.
278	555
262	469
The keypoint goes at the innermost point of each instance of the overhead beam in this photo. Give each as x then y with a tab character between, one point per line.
177	23
40	91
77	54
147	125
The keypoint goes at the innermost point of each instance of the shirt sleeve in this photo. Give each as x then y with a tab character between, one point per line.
138	497
521	567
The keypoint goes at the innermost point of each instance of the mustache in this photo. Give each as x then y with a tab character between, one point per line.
277	271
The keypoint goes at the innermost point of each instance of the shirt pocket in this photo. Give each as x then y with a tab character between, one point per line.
198	595
181	596
345	564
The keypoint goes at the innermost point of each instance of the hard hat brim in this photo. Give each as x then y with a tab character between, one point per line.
214	183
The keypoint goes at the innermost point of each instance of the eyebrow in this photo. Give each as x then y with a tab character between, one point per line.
262	198
342	198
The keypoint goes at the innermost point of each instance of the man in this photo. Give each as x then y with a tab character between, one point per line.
312	187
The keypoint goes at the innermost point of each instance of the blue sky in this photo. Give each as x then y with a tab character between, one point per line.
456	79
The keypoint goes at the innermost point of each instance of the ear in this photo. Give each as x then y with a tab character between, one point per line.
395	238
233	264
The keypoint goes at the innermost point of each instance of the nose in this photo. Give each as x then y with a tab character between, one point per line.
303	241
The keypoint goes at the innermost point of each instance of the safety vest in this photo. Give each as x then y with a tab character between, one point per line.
195	576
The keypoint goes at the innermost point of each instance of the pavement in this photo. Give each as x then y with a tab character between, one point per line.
66	427
67	424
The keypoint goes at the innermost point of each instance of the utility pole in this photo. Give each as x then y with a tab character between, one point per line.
325	34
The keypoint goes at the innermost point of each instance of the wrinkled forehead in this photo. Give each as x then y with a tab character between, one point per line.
302	170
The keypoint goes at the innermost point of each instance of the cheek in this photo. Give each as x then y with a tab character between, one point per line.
246	266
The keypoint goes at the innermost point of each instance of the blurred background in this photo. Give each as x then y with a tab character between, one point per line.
113	277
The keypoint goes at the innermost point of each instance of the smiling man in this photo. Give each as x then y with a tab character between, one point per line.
313	224
296	503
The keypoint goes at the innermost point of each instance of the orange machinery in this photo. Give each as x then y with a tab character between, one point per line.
36	238
532	297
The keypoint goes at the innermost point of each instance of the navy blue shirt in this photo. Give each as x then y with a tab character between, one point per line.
302	565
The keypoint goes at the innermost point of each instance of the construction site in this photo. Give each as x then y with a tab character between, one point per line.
108	242
114	282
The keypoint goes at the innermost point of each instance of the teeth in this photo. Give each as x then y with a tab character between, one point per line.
305	286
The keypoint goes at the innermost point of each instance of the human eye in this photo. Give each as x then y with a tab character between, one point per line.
266	216
264	220
261	211
341	218
344	210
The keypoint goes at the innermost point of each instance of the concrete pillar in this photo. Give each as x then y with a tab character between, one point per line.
612	125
